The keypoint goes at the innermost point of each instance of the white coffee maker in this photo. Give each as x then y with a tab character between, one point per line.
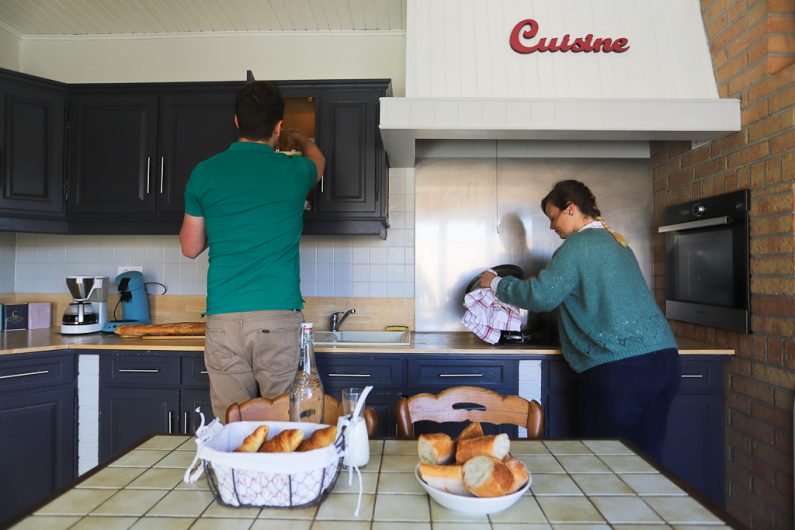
88	311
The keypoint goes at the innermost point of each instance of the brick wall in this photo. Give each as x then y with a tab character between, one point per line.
752	43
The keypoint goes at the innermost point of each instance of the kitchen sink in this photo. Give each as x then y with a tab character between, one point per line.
362	338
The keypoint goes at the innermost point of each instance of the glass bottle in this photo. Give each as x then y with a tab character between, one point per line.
306	392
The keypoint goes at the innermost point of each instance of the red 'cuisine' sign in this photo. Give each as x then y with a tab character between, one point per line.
528	29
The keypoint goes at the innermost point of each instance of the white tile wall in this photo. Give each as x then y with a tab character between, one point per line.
366	266
7	259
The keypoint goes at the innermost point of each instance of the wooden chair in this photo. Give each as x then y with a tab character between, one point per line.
277	409
491	408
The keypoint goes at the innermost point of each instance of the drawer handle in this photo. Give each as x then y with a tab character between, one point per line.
26	374
693	376
203	372
139	371
349	375
460	375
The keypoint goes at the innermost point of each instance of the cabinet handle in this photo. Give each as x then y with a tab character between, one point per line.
185	424
349	375
139	371
460	375
322	179
170	421
203	372
693	376
162	162
26	374
148	165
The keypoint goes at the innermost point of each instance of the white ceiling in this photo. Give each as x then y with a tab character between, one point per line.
97	17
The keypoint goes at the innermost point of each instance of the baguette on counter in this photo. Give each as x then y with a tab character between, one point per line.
174	329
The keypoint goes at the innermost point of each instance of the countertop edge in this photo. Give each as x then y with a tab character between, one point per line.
454	343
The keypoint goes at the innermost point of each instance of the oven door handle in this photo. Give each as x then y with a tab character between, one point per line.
701	223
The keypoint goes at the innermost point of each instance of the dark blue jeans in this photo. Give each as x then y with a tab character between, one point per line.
630	399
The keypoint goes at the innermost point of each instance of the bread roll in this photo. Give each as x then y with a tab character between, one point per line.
319	439
518	470
435	448
495	445
285	442
254	440
176	328
444	478
473	430
486	476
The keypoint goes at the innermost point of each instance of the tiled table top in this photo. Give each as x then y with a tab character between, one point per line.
581	485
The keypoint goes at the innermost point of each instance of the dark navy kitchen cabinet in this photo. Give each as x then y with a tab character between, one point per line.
352	196
694	442
132	149
37	423
144	393
397	375
32	118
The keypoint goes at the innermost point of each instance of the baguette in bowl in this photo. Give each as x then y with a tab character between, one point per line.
472	505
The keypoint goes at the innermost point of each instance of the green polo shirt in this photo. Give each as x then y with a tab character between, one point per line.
252	200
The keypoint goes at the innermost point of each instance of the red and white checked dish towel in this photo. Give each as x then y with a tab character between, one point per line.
486	316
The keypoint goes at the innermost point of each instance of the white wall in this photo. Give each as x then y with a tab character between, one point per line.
218	57
9	49
330	265
7	258
460	48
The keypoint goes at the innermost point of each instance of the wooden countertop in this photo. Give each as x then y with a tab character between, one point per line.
37	340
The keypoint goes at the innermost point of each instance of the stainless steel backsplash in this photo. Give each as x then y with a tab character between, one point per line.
474	213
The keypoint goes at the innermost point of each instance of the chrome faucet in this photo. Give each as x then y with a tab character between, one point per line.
337	320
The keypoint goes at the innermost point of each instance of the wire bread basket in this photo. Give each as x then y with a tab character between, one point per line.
264	480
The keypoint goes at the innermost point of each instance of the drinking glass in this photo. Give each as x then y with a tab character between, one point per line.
350	396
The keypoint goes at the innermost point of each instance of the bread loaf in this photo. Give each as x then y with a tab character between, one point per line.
473	430
518	470
176	328
435	448
495	445
444	478
486	476
254	440
319	439
286	441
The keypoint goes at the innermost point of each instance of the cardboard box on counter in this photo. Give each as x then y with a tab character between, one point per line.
39	314
15	316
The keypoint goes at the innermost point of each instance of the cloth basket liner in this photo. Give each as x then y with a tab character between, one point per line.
276	480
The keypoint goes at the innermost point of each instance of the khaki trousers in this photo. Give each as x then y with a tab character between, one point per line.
248	351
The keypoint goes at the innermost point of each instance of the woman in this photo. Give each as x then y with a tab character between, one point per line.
611	331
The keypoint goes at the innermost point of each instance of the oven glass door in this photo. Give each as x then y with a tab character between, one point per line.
705	266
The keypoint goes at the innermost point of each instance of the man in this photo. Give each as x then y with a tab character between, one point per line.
246	204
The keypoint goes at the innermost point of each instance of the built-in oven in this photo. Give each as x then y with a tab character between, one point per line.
707	262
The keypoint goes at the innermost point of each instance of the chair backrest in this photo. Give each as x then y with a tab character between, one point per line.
491	408
277	409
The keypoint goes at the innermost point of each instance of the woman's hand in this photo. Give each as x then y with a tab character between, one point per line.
485	279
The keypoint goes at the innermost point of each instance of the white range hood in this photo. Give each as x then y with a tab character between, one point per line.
465	79
406	120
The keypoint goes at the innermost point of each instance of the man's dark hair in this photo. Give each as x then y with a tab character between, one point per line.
259	107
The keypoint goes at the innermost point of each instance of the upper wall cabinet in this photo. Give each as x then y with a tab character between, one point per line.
132	151
32	113
352	197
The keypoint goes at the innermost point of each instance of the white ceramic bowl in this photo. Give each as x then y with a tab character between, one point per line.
472	505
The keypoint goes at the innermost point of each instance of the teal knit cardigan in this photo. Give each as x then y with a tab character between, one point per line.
606	311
